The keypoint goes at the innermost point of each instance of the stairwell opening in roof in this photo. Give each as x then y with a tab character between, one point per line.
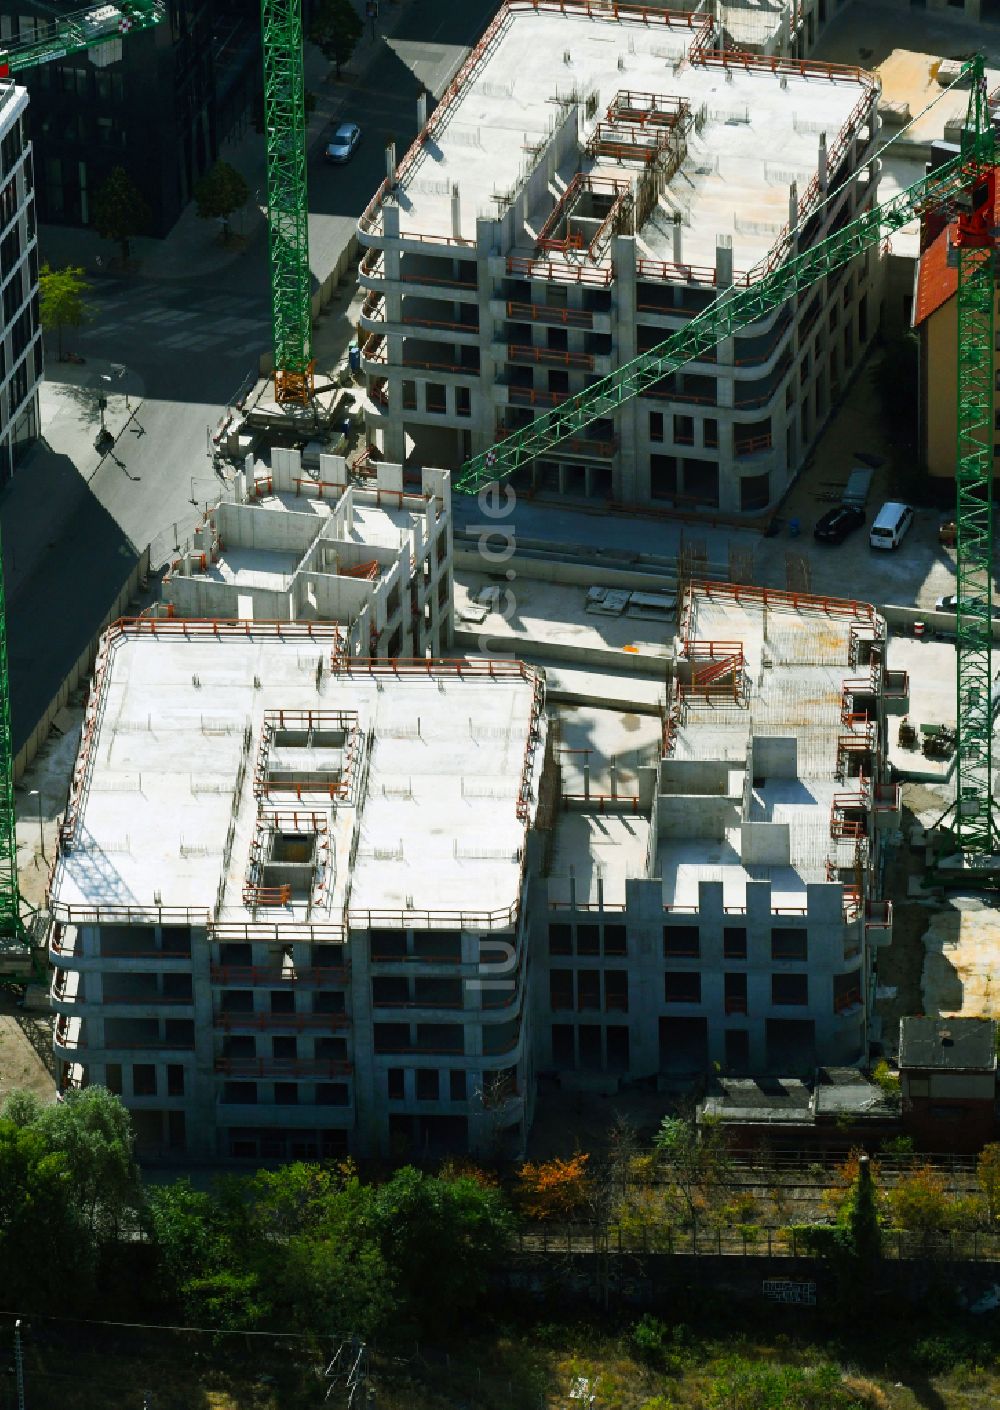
307	755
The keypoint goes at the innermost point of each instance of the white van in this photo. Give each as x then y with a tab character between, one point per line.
891	523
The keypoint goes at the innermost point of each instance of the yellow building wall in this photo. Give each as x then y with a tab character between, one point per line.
941	344
942	388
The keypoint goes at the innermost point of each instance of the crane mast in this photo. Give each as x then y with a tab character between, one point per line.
973	242
287	201
962	188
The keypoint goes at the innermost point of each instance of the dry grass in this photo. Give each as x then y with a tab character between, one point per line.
509	1371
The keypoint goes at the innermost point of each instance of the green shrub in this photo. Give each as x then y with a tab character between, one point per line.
761	1385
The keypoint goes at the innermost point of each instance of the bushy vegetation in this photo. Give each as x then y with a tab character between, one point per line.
309	1247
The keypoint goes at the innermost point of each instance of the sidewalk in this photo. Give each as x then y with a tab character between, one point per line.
193	247
62	463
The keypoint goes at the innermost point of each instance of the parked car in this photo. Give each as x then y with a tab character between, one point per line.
949	603
341	145
891	525
837	523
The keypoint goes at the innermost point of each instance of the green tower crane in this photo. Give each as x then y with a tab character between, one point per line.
287	202
53	39
78	30
962	189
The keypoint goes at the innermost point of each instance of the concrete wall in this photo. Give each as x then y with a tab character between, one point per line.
701	817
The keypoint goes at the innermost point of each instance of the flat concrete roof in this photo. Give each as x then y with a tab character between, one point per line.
796	663
166	811
953	1044
757	131
532	613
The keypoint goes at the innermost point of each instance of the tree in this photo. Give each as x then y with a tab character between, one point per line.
697	1162
62	299
219	193
92	1131
120	211
921	1203
859	1215
988	1176
42	1252
441	1239
335	29
553	1189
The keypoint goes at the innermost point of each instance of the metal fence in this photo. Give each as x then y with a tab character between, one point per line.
743	1241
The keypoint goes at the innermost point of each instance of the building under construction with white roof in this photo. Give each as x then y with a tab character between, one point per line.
595	175
373	556
289	898
305	904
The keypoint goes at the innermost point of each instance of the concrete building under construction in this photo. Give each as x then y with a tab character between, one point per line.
593	176
305	904
374	557
289	898
722	906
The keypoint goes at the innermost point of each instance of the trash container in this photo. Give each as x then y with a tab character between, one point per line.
354	357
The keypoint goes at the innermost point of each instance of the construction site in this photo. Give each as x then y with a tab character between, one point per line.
553	220
339	873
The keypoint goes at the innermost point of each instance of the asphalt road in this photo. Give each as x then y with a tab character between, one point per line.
191	342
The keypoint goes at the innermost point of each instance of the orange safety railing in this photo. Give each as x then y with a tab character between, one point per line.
656	108
553	357
282	1067
579	445
495	668
599	275
781	600
254	895
543	313
602	802
302	1022
878	915
238	976
887	797
368	571
849	1000
527	396
664	271
752	445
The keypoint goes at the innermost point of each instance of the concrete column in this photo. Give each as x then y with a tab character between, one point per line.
371	1123
201	1095
486	409
422	110
824	175
630	480
793	205
723	261
678	239
456	213
390	161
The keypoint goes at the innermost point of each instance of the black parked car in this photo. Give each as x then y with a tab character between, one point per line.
837	523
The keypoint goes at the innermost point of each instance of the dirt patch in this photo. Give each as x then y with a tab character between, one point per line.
26	1058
